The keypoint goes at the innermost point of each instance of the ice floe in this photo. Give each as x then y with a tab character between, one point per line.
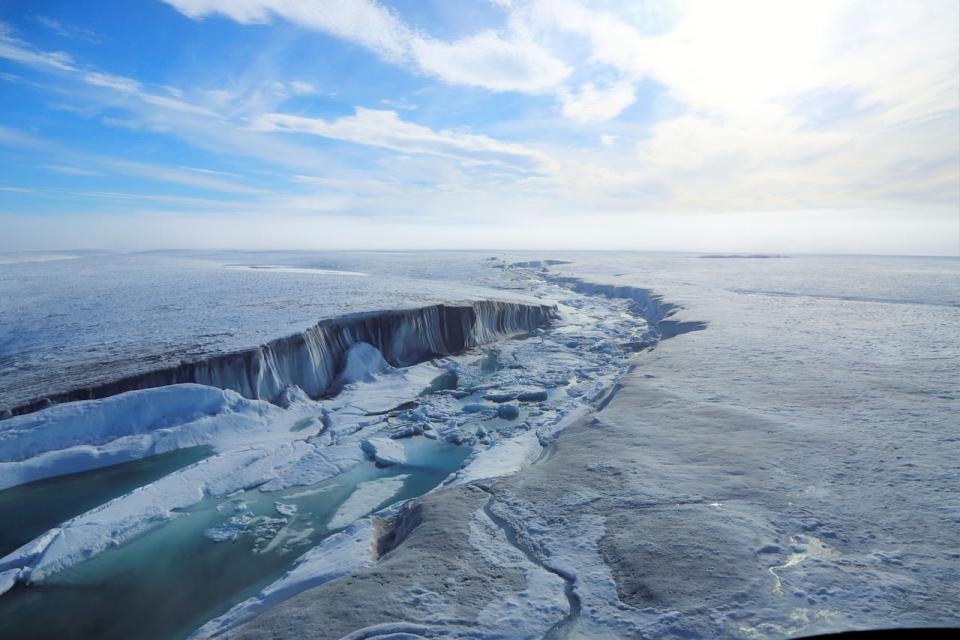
384	451
365	499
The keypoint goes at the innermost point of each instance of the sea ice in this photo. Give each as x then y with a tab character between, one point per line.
8	578
508	411
365	499
385	451
532	395
285	509
504	457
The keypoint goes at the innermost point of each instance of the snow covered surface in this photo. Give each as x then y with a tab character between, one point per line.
380	411
782	463
785	469
86	435
509	455
93	318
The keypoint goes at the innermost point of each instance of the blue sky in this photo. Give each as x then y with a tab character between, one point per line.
742	125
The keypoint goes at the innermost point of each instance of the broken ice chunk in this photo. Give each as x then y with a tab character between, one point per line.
384	451
499	396
533	395
285	509
508	411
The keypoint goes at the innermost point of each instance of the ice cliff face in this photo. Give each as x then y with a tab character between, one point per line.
312	359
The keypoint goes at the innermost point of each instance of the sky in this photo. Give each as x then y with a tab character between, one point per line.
766	125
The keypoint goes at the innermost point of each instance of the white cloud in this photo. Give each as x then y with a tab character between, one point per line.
76	171
300	88
93	165
385	129
117	83
488	60
16	138
492	62
187	177
591	104
319	227
133	88
362	21
738	71
400	103
64	30
14	49
206	121
746	83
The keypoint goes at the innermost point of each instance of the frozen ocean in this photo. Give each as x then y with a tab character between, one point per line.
477	444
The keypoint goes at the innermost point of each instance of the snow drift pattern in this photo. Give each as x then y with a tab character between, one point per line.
311	359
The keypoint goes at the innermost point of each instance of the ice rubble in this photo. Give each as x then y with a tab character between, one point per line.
149	506
260	445
270	457
90	434
508	455
583	372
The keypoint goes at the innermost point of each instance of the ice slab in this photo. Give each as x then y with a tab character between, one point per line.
385	451
85	435
365	499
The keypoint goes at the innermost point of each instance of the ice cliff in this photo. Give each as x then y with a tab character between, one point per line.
312	359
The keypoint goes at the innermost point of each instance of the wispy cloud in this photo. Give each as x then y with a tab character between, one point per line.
15	49
74	171
592	104
491	60
385	129
66	30
131	87
544	110
88	164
